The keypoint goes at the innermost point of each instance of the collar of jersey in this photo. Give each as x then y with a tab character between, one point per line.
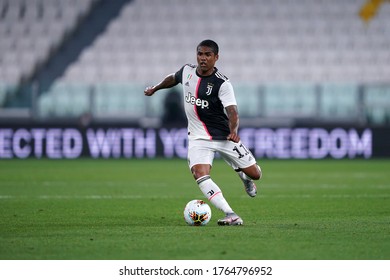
201	76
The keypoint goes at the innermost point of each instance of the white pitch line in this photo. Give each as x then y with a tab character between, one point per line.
331	196
101	197
97	197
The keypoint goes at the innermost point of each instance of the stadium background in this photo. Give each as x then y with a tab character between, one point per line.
312	78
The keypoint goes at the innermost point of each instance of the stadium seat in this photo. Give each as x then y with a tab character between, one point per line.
248	100
339	101
65	100
34	27
283	46
119	100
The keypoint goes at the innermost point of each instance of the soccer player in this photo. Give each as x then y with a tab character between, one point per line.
213	121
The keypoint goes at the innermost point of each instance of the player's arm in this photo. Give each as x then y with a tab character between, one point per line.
168	82
232	114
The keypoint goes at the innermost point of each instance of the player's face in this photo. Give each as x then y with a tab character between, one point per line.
206	60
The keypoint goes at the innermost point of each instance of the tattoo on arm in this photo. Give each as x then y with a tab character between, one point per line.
232	114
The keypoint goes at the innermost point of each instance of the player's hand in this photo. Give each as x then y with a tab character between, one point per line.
149	91
233	137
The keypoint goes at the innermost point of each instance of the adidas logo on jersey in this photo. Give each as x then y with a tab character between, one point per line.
197	101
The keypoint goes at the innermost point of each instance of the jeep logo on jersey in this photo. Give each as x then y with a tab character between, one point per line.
197	101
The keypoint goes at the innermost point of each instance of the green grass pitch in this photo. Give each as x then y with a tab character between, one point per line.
133	209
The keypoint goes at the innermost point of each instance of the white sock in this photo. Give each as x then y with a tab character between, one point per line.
213	194
243	176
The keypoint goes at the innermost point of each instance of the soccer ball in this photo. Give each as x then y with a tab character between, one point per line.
197	213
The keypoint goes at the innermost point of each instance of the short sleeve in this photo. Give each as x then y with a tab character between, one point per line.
226	94
179	75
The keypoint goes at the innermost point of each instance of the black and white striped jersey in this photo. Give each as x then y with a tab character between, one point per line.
205	98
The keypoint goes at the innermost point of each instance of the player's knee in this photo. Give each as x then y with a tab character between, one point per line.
257	174
260	172
199	171
197	174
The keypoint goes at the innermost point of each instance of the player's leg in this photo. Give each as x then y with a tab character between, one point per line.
200	158
254	172
243	162
210	189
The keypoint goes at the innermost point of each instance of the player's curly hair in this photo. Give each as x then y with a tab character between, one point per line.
209	43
